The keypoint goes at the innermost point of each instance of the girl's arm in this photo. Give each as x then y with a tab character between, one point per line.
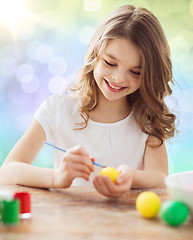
153	175
155	167
17	168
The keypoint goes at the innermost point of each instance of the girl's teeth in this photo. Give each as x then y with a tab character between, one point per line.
113	86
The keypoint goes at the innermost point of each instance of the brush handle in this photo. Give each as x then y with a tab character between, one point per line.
52	145
97	164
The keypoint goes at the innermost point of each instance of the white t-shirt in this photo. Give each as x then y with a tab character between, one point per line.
112	144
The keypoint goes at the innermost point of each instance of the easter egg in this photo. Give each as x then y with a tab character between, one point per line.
174	213
148	204
111	172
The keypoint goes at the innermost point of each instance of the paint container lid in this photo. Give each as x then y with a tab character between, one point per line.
10	212
6	195
25	204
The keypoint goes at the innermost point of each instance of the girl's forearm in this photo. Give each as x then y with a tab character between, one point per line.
148	179
27	175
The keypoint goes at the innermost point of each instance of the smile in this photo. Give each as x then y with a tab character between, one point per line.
113	87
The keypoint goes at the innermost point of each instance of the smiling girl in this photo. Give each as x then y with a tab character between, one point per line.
116	115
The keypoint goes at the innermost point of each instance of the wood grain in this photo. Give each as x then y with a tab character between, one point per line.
81	213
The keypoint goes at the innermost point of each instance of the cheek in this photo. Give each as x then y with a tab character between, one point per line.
98	71
136	83
95	73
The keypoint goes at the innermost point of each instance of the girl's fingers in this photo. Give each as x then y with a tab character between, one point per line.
78	174
121	187
81	168
99	185
126	173
79	159
74	165
105	186
78	150
113	190
123	178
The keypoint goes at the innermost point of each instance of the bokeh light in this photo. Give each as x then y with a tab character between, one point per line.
92	5
57	66
57	85
86	34
12	11
43	45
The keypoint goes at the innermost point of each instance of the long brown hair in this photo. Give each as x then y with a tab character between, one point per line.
141	27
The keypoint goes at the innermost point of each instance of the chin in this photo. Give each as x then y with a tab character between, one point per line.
113	98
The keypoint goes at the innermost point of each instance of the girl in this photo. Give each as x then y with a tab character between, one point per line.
116	113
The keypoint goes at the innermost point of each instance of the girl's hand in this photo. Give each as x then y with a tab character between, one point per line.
108	188
76	163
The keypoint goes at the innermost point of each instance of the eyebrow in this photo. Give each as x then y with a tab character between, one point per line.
111	56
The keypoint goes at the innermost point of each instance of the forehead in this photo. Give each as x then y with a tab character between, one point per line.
123	50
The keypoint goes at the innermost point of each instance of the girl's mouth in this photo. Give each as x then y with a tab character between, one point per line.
114	88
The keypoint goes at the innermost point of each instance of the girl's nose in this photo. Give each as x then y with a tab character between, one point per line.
119	77
114	78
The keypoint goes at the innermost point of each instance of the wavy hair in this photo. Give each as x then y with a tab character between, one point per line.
143	29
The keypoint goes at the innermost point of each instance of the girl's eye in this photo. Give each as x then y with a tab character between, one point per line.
110	64
135	73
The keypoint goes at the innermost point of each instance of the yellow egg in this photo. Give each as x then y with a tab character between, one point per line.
111	172
148	204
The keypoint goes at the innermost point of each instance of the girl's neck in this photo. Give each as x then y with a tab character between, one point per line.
110	111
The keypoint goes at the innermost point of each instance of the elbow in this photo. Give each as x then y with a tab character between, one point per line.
7	173
162	180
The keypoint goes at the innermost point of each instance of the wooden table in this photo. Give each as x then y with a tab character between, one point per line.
81	213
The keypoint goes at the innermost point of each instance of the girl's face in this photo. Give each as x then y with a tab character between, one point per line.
117	71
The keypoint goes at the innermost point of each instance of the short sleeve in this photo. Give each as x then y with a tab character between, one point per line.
46	115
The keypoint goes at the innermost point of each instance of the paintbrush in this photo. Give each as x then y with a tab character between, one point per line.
52	145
